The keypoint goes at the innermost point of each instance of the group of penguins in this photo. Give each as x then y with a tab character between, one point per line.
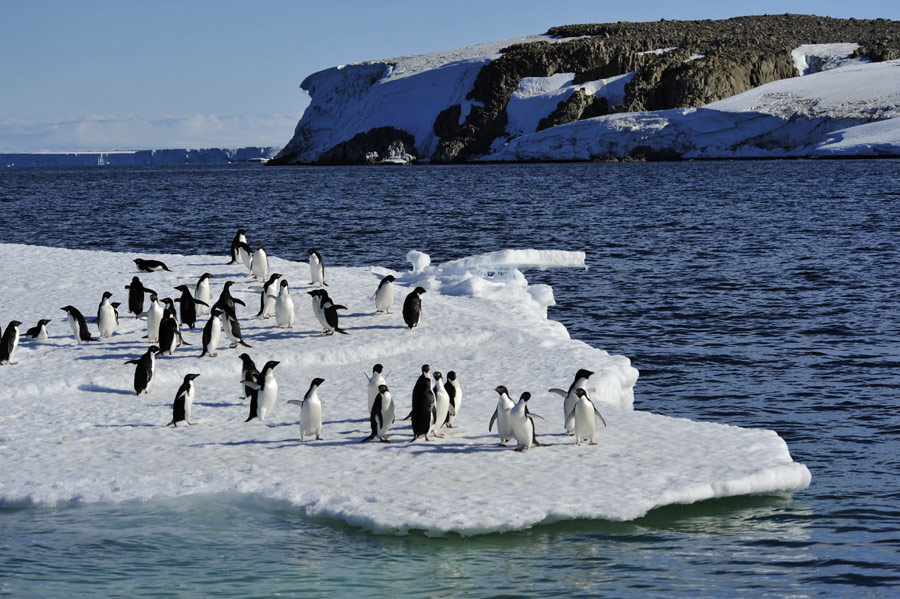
434	404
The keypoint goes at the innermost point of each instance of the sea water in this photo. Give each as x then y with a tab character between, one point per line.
754	293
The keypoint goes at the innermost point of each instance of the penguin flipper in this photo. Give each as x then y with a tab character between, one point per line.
570	419
241	341
493	418
296	402
133	362
341	331
256	387
408	416
237	301
559	392
600	416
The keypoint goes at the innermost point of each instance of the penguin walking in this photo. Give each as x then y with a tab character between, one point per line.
267	392
412	307
502	416
284	307
239	238
211	333
259	264
454	391
202	294
9	342
188	306
154	318
319	296
384	294
249	372
78	325
316	268
39	332
582	418
329	310
441	404
107	319
184	399
580	382
381	415
522	422
233	330
136	291
246	254
226	301
269	296
423	410
168	334
310	411
150	265
143	372
375	382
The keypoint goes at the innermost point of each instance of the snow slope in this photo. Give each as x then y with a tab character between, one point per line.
71	428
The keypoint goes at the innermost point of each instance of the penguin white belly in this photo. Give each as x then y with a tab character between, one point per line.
569	403
188	402
441	406
316	271
384	297
154	317
457	400
319	312
267	397
284	309
42	335
585	425
214	335
73	324
504	425
259	265
311	418
106	321
269	305
522	427
387	413
202	294
375	381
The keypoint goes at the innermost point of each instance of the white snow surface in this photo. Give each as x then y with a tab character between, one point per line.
72	430
814	58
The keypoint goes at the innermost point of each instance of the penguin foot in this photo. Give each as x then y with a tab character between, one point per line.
385	440
437	436
592	443
568	434
192	424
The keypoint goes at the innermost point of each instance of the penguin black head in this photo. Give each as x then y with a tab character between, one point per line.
437	375
216	313
190	377
425	369
272	278
154	297
312	251
135	279
270	365
382	388
43	321
583	374
284	283
107	294
181	288
501	390
419	290
242	231
525	396
13	323
115	304
228	284
314	292
377	368
579	392
153	349
316	382
205	276
68	309
451	376
390	278
169	303
245	357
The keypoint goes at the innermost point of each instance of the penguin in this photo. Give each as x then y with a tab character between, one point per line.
412	307
441	404
9	342
267	392
423	410
168	334
318	300
78	325
154	318
184	398
115	306
375	381
226	302
501	416
188	306
169	306
384	295
381	415
39	331
239	238
211	334
455	393
284	307
150	265
310	412
249	372
136	291
106	316
143	373
233	330
202	295
246	254
259	264
331	317
316	268
582	418
580	382
268	296
252	383
522	422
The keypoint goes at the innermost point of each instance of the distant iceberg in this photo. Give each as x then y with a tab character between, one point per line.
143	157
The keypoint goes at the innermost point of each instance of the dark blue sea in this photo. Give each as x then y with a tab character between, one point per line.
754	293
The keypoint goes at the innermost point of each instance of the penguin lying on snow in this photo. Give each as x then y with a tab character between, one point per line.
39	331
150	265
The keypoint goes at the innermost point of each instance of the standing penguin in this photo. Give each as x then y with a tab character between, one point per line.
226	302
9	342
136	291
233	329
284	307
239	238
268	296
441	404
412	307
78	324
168	334
184	398
375	382
522	422
267	388
249	372
381	415
39	332
150	265
501	415
384	295
154	318
211	334
319	297
455	393
259	264
201	293
582	418
246	254
143	373
316	268
329	310
106	316
310	412
188	306
423	411
580	382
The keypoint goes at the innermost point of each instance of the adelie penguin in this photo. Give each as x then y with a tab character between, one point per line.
266	388
168	334
259	264
39	332
384	295
226	302
202	294
580	382
455	393
78	325
136	291
269	296
423	410
188	306
233	330
143	372
249	372
310	411
582	418
381	415
522	422
246	254
9	342
150	265
184	398
154	318
331	317
501	416
107	319
375	382
212	332
441	404
239	238
284	307
412	307
316	268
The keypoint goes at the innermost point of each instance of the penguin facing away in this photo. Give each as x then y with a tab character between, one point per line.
384	294
331	317
502	416
412	307
78	325
168	335
381	416
136	291
423	410
582	418
188	306
233	330
9	342
39	331
226	302
310	411
143	372
150	265
316	268
184	398
239	238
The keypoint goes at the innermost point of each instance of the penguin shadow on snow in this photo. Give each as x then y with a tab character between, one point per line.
134	425
101	389
117	356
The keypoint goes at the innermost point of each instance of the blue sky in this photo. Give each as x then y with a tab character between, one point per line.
105	75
